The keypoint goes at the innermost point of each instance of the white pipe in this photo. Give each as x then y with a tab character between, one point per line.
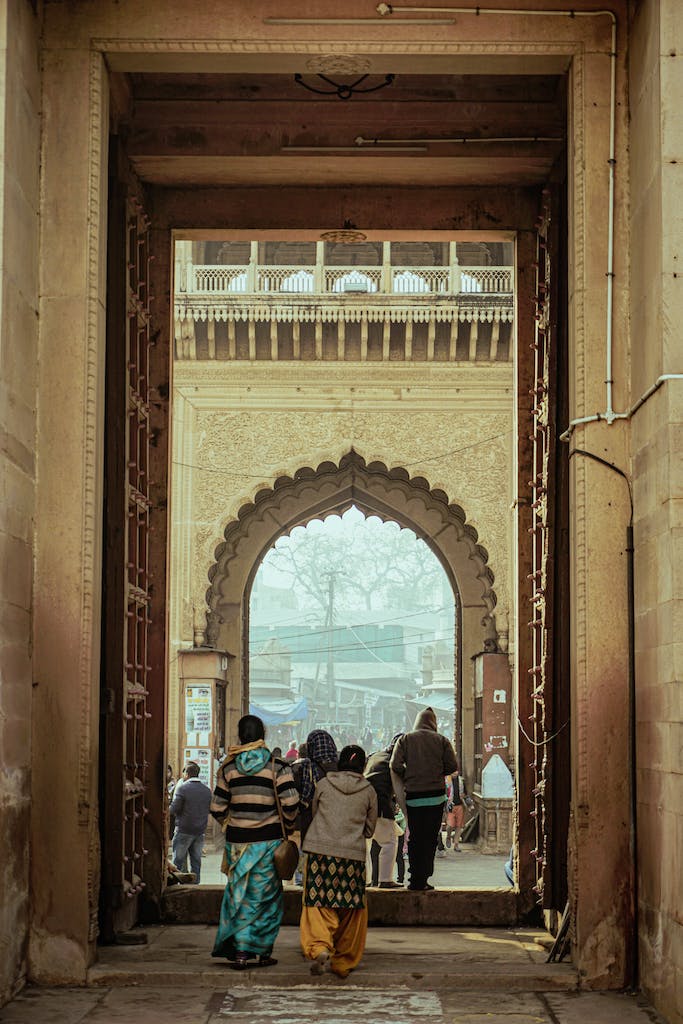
622	415
384	9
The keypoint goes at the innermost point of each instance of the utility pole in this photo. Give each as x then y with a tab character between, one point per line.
331	694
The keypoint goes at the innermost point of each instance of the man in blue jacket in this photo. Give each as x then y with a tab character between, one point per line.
190	807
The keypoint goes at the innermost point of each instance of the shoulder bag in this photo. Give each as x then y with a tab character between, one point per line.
286	856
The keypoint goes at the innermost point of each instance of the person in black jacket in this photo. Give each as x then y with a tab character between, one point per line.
386	833
420	762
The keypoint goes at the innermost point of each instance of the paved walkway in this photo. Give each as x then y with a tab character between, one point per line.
465	869
408	976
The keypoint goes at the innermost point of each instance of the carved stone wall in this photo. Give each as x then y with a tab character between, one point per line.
241	431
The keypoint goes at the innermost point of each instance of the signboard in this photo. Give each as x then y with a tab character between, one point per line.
204	758
198	714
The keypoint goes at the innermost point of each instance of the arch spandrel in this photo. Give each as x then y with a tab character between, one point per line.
331	489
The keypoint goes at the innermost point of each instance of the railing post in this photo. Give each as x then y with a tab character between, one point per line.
385	280
252	281
454	275
319	275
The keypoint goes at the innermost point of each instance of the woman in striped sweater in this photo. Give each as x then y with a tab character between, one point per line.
244	803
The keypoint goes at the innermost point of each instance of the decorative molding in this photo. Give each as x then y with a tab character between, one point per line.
265	311
91	512
577	199
325	490
328	48
338	64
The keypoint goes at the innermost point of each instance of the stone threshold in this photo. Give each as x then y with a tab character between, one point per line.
191	904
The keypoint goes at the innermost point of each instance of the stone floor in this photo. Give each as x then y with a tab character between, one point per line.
408	976
463	869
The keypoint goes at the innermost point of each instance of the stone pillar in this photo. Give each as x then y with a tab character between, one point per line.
385	285
454	272
599	883
65	838
319	274
20	101
657	441
252	269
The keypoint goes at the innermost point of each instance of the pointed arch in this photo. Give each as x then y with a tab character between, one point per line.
314	493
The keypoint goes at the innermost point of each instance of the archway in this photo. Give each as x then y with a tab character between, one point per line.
313	493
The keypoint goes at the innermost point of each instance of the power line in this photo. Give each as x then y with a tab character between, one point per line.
405	465
356	647
322	629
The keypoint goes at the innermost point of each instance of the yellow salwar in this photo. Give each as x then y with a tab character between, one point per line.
342	933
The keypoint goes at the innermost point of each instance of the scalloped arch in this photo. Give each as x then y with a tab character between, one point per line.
328	489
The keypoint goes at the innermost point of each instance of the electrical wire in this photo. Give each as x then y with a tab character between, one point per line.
377	622
405	465
355	647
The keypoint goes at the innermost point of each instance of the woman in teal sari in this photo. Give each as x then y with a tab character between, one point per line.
244	803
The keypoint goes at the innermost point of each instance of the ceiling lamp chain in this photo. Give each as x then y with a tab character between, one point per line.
343	90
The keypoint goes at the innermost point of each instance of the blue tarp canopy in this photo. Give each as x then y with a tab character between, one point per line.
281	712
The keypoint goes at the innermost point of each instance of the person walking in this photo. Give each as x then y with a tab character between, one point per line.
334	915
420	762
245	804
190	810
386	831
321	757
457	800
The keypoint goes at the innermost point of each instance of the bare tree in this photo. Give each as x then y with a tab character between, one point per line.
374	564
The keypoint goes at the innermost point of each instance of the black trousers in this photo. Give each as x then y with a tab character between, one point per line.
424	824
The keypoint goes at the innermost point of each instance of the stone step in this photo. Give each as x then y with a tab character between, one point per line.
191	904
424	959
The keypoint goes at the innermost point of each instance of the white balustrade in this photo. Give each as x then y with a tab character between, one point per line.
268	280
487	280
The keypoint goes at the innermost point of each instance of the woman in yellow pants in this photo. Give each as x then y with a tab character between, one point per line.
334	916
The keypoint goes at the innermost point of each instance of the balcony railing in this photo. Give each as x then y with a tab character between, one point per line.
238	280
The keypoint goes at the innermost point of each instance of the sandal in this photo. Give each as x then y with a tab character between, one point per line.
265	961
241	962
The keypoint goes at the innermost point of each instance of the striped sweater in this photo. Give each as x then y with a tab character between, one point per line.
244	800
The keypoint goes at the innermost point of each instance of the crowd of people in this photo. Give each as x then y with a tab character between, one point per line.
352	817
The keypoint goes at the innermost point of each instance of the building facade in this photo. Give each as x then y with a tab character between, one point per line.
108	154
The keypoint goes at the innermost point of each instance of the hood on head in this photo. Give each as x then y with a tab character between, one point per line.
425	720
249	762
321	748
394	741
347	782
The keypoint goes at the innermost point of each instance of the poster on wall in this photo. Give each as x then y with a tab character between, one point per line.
204	758
198	717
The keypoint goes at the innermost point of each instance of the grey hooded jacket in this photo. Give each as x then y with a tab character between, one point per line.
344	816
